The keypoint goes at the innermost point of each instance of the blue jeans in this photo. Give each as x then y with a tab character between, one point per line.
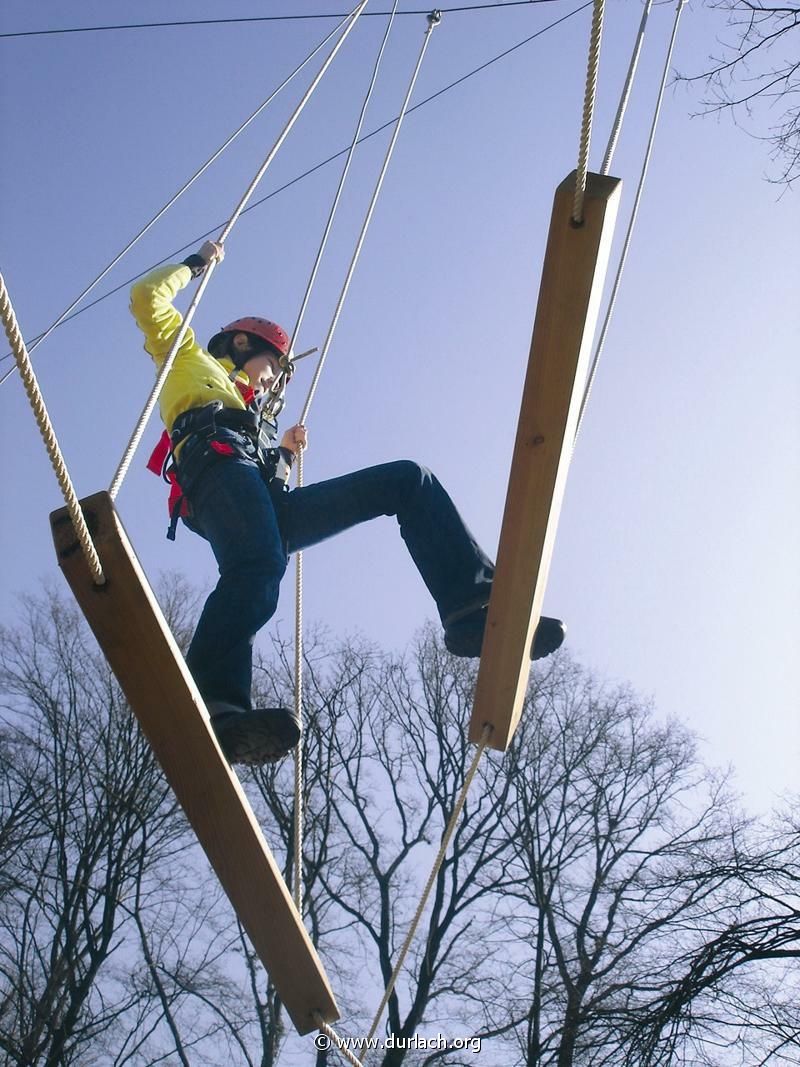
252	528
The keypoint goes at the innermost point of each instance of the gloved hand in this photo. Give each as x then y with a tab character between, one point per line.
211	250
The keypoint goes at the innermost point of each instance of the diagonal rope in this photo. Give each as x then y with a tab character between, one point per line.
162	211
166	366
36	399
631	223
593	66
336	1041
626	91
299	815
298	632
437	863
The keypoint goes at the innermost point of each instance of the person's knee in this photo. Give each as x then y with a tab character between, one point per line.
413	475
260	580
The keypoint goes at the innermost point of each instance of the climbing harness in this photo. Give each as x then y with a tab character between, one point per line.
211	434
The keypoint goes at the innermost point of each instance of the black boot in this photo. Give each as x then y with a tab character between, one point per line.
463	633
264	735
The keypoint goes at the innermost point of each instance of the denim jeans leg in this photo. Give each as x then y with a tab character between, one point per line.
453	566
233	509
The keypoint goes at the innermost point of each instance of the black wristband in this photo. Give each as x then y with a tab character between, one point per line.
196	264
287	455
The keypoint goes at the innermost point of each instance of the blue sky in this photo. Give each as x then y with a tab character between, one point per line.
676	560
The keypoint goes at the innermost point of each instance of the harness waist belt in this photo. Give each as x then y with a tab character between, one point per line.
209	417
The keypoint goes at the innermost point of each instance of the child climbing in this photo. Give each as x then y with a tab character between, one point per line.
230	472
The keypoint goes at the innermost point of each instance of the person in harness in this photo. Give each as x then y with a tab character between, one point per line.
229	472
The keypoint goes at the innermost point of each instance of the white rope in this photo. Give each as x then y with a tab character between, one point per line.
433	20
298	630
437	863
36	399
165	368
162	211
593	67
631	223
299	816
626	91
338	1043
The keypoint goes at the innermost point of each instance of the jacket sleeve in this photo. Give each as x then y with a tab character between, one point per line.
152	307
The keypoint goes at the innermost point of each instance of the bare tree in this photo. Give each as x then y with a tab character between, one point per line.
625	848
738	989
385	757
756	77
603	901
97	863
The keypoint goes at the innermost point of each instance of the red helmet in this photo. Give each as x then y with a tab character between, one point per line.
275	336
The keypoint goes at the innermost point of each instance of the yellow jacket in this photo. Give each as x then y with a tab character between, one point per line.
196	378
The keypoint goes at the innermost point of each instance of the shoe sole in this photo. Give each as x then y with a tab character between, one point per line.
252	738
467	641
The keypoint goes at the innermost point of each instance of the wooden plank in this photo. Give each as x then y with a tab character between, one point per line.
132	632
573	273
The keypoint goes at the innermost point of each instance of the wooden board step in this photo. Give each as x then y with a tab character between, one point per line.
576	259
132	632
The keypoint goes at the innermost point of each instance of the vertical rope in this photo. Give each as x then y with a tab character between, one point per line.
434	18
36	399
298	627
298	708
631	223
626	91
165	368
437	863
593	67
